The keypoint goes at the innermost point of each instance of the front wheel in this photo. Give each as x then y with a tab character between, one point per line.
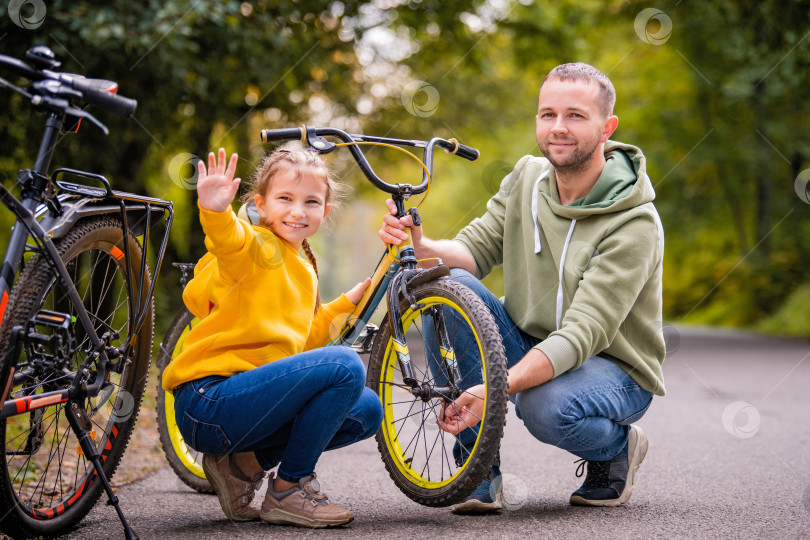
184	460
453	344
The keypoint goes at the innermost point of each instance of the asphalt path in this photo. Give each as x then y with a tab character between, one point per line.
728	458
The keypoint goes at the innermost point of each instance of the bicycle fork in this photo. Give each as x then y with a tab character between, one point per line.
399	283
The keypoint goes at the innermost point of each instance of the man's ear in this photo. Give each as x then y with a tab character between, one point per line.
610	126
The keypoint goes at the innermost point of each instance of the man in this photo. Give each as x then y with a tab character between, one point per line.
582	249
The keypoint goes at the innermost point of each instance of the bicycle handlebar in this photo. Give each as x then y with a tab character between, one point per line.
102	98
285	134
19	67
92	91
314	138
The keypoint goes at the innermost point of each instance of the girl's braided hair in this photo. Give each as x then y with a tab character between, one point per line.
303	162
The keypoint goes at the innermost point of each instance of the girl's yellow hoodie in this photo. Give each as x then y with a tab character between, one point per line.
255	296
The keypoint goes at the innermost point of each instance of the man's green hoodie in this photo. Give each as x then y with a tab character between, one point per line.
584	278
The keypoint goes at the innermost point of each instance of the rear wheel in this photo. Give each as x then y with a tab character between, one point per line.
46	482
184	460
431	466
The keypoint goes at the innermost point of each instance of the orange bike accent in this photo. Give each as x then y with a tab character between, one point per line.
3	304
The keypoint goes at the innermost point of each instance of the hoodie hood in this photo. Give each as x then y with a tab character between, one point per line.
623	184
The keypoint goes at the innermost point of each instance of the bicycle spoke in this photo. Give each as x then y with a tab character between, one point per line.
403	386
415	437
408	414
400	402
443	457
433	447
424	439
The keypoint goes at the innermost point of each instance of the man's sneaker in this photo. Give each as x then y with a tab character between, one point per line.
486	499
610	483
303	505
234	489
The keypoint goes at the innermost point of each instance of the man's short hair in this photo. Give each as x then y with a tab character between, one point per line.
579	71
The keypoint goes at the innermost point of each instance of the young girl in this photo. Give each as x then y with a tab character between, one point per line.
252	389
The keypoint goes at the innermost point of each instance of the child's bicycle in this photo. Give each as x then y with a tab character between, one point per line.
412	366
77	316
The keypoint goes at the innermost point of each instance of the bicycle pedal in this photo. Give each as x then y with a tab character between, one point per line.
52	319
366	338
49	337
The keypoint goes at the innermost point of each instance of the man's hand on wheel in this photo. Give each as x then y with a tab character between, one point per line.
465	412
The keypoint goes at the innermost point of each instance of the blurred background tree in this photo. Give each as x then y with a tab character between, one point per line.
711	91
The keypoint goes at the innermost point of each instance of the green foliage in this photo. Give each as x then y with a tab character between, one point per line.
793	317
717	105
206	74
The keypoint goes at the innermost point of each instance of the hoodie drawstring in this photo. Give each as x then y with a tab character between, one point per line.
562	269
537	246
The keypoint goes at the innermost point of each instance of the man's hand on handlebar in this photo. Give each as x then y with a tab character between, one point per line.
393	228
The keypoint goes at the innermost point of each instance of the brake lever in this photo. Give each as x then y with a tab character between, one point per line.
80	113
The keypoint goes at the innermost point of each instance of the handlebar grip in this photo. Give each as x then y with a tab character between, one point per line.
284	134
455	148
468	152
113	103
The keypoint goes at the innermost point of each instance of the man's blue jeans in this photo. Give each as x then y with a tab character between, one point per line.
586	411
287	411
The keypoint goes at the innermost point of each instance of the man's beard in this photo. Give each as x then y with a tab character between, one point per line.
575	163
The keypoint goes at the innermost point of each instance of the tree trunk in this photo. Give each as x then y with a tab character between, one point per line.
764	181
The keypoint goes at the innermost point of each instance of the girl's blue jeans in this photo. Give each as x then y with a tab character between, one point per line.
586	411
287	411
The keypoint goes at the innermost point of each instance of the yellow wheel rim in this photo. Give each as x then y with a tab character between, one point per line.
180	448
388	391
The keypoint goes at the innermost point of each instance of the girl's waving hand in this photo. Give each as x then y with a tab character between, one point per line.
217	187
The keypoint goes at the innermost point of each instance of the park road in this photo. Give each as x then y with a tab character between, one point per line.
728	458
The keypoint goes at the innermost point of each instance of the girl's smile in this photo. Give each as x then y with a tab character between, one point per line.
294	205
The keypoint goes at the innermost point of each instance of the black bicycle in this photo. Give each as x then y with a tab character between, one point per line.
77	315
